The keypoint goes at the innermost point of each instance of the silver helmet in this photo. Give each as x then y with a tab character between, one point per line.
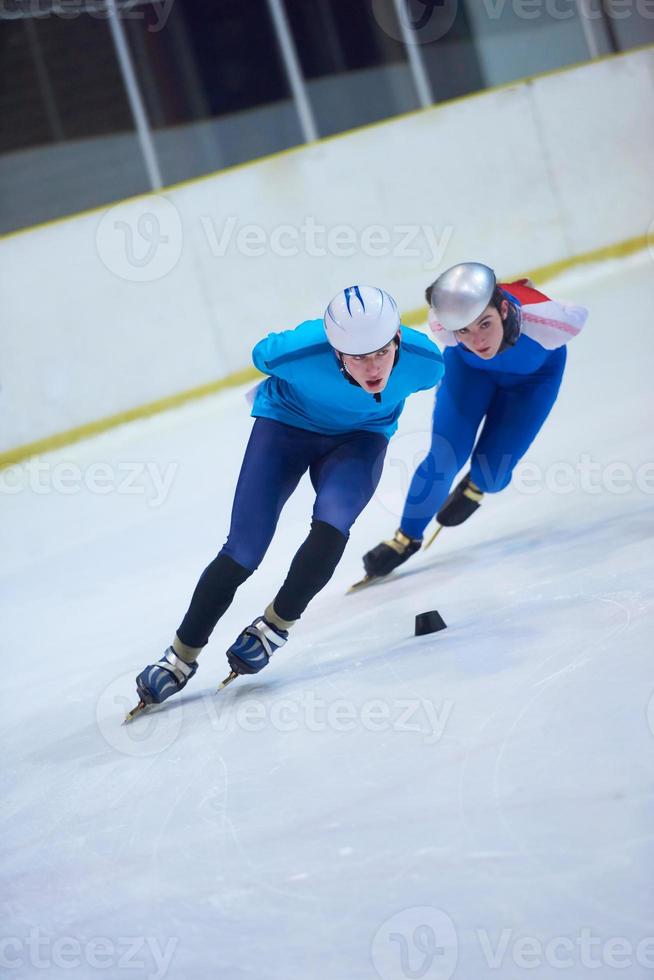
461	294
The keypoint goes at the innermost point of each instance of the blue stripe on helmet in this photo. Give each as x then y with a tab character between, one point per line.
348	296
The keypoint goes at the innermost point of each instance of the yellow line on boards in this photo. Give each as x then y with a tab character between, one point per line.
411	318
69	436
545	272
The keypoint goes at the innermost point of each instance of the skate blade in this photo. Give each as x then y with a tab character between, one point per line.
228	680
141	706
366	582
429	543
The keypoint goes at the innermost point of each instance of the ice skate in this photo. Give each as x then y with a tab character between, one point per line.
159	681
253	648
382	560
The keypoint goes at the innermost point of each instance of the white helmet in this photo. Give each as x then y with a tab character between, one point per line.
461	294
361	319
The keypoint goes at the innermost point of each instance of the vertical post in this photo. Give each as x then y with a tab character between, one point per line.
134	95
293	70
418	70
612	35
584	12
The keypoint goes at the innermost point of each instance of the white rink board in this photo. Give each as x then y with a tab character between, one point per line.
519	177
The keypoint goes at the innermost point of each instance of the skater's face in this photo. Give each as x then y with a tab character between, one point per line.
484	335
372	371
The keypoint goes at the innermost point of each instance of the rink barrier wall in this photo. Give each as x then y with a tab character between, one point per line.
412	318
58	374
291	150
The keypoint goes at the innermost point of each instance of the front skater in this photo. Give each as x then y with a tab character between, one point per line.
504	359
335	391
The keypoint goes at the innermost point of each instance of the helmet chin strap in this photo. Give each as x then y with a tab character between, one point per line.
348	377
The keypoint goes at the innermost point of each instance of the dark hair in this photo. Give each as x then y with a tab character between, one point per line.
498	298
510	326
428	292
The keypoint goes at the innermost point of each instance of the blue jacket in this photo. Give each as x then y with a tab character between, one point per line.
306	388
526	357
545	326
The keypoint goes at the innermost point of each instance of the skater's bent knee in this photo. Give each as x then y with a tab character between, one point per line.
490	482
248	558
329	531
333	521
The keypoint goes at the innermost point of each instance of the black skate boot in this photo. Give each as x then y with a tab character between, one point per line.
383	559
463	501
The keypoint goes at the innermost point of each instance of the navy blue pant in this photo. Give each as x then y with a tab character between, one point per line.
344	471
513	408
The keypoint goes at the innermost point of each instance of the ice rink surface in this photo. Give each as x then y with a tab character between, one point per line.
475	803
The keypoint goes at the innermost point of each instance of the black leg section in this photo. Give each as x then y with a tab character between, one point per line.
212	597
311	570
